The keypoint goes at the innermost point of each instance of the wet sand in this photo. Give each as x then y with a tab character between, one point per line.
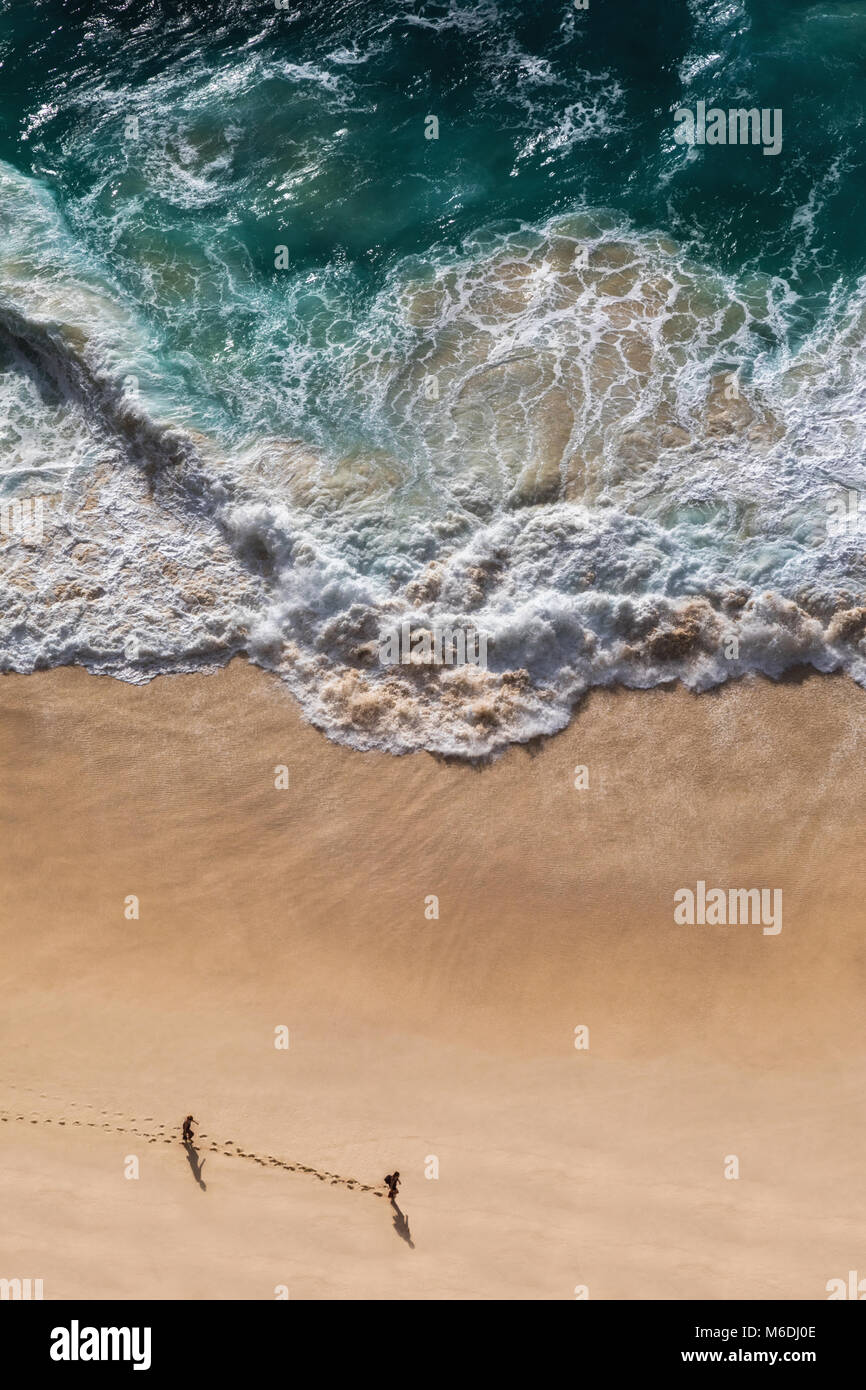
416	1038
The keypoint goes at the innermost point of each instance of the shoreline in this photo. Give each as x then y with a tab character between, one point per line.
798	674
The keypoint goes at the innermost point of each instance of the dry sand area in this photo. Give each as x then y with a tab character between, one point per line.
414	1039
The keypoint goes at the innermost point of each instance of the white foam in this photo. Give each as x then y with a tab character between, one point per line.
581	490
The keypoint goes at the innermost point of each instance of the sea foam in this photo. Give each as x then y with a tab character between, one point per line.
621	476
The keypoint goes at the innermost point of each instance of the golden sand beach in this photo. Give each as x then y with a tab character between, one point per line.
443	1046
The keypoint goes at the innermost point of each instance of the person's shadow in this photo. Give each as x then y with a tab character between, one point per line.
401	1225
192	1155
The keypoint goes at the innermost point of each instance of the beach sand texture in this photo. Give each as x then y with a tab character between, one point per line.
418	1041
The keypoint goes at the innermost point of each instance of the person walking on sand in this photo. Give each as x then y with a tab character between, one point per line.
392	1182
188	1123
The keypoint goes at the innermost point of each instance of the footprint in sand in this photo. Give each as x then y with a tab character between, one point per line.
228	1144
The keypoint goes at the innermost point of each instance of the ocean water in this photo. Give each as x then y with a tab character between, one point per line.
286	373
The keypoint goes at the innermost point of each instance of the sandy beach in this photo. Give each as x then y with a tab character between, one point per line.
428	1044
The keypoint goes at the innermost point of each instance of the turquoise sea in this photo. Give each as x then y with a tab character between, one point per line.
322	319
